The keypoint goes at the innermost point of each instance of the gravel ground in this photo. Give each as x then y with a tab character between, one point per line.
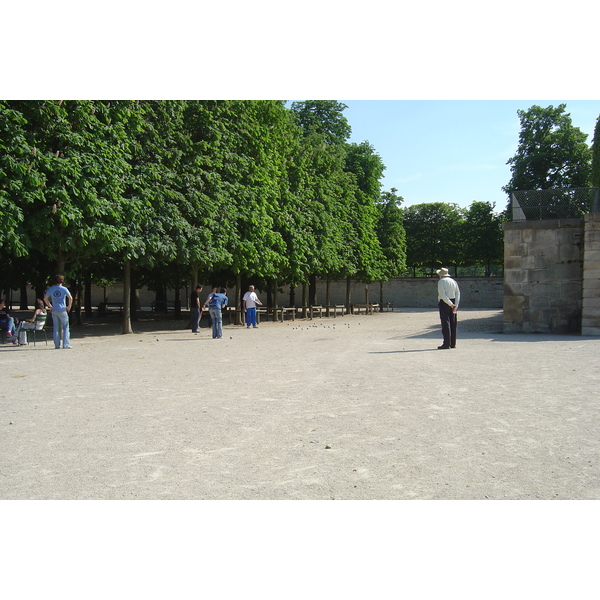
352	408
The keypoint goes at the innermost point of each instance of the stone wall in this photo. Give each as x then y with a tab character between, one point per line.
590	317
418	292
543	270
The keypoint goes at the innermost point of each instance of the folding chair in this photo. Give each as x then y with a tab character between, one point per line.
40	323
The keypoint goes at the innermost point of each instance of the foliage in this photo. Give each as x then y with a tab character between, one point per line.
391	234
482	236
432	235
323	117
552	153
167	190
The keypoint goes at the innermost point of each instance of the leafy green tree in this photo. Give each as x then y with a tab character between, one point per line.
20	181
80	165
326	188
367	168
433	237
391	233
323	117
552	153
483	239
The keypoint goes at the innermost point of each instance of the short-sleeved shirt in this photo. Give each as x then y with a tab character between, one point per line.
58	296
217	301
250	299
195	300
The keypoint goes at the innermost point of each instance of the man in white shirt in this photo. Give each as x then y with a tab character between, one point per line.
250	301
448	300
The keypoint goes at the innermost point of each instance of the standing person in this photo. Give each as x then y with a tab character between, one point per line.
448	300
7	323
250	301
213	291
59	300
196	308
216	302
40	309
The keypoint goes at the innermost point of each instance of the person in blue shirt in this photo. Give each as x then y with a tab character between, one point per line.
59	300
7	323
216	302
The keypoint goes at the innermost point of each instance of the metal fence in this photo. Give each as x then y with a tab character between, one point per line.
558	203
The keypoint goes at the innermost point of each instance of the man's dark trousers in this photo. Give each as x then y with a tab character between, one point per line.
448	320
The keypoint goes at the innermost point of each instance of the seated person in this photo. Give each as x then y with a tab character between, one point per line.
40	309
7	323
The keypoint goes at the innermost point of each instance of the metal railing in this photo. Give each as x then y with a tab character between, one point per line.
557	203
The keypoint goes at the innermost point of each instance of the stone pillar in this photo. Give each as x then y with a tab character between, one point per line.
590	313
542	276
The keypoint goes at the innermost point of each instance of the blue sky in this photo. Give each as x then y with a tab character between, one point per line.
450	150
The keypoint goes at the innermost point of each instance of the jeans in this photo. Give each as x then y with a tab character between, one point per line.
251	317
216	321
21	329
195	313
8	325
60	318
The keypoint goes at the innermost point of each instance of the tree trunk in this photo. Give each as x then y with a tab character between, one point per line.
327	297
348	294
88	296
238	302
177	311
23	303
127	297
312	290
78	302
304	299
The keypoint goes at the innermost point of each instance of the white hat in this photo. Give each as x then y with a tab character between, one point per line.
443	272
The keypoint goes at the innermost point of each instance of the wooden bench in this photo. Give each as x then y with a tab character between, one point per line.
318	309
105	307
162	305
386	306
368	308
335	308
282	311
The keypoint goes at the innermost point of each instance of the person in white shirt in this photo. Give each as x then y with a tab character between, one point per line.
250	301
448	300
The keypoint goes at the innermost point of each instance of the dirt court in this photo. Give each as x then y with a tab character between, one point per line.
357	407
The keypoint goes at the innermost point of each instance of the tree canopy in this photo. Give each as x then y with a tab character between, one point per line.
552	153
171	189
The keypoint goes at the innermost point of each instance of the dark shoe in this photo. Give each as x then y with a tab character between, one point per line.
443	347
452	346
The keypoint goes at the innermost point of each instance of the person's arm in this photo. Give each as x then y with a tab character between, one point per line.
47	302
35	314
69	302
443	294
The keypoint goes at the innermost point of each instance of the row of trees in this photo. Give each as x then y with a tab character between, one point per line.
160	192
440	233
157	193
